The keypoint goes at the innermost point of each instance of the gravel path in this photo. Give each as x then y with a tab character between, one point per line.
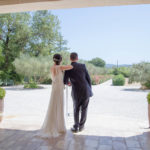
108	100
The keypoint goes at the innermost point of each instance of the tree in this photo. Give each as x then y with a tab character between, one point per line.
61	44
98	62
1	55
38	71
46	37
14	36
35	34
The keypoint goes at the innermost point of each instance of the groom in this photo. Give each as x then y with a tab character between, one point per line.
81	91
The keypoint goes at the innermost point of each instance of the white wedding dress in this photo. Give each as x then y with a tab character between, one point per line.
54	123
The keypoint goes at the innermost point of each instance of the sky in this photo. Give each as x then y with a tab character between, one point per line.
112	33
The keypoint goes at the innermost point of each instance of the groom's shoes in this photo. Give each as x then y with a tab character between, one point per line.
81	128
75	130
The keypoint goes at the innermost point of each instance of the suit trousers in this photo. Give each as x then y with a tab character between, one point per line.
80	112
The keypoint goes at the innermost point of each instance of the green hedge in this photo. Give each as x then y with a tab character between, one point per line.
2	93
118	80
148	98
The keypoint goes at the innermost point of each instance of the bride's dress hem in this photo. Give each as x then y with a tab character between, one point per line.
42	134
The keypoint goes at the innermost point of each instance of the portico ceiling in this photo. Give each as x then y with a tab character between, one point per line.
28	5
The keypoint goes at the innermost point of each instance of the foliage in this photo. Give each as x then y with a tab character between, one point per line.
148	98
98	62
46	37
116	71
1	54
33	34
31	85
93	70
47	81
118	80
125	71
1	82
141	73
2	93
15	34
65	57
37	68
61	44
147	85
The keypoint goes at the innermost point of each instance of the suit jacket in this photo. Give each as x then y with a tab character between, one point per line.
80	81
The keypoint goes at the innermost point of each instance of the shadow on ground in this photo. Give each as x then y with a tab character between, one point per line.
134	90
20	88
25	140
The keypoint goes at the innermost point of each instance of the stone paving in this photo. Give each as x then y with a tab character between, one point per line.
15	136
121	129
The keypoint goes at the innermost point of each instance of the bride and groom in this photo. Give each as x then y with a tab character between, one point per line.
77	76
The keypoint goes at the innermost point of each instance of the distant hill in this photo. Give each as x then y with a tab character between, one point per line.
112	65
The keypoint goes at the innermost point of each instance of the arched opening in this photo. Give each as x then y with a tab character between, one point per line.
103	131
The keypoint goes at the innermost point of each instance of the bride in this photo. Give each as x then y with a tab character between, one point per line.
54	123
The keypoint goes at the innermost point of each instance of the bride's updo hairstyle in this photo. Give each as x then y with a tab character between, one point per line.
57	58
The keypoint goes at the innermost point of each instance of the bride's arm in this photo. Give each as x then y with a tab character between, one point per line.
66	67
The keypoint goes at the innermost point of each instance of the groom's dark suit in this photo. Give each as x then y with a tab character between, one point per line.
81	91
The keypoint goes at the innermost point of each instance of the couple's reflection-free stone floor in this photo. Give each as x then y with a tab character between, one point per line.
117	118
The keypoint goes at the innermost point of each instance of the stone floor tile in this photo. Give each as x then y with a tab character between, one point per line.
75	146
132	143
105	147
105	141
134	149
62	144
91	143
45	148
93	137
88	148
117	145
118	139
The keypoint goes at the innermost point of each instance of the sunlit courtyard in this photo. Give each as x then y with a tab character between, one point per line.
117	120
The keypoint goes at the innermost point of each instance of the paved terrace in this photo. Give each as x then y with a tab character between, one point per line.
117	119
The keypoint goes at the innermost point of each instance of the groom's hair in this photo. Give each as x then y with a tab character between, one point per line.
73	56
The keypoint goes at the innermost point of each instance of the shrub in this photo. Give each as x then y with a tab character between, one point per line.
2	93
116	71
125	71
148	98
147	85
37	68
95	79
93	70
47	81
141	73
119	80
1	82
31	85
